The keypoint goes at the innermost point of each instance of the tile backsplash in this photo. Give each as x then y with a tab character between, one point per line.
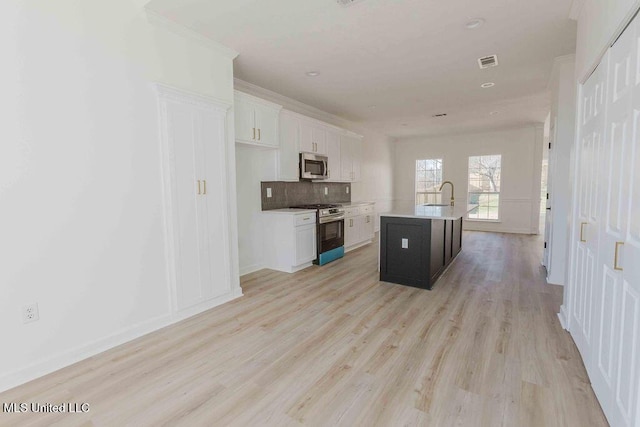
287	194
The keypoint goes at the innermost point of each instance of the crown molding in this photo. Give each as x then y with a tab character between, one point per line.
161	21
197	99
576	8
291	104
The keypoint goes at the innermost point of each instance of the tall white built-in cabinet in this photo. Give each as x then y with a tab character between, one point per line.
604	293
195	177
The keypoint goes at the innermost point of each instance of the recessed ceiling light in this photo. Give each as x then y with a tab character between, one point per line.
487	85
474	23
493	113
313	73
405	124
373	107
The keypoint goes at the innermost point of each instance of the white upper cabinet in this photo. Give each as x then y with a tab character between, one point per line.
334	155
288	154
256	121
351	155
313	137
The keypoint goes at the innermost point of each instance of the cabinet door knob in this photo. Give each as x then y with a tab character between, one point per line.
199	192
205	187
254	133
258	134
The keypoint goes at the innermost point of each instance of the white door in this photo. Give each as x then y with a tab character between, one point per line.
615	353
194	138
587	209
333	154
244	120
215	277
346	159
356	158
266	120
305	244
188	186
288	152
548	218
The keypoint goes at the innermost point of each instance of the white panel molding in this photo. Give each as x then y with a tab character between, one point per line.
186	97
161	21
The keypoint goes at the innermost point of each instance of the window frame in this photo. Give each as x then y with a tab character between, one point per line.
415	181
498	206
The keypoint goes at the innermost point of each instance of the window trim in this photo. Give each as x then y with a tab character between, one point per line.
415	177
489	220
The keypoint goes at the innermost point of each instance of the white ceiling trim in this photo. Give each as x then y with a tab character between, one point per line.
290	103
158	20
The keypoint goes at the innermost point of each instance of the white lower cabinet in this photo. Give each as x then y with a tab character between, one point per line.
290	239
358	226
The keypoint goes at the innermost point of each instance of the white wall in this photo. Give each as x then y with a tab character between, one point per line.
598	23
80	192
255	165
563	113
521	151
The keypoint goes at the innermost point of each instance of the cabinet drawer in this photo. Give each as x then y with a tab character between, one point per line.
366	209
305	219
349	212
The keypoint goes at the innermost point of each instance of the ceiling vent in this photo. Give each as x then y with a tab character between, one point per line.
488	61
440	115
347	2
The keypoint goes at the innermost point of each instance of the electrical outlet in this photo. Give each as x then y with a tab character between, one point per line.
347	190
326	191
405	243
30	313
268	192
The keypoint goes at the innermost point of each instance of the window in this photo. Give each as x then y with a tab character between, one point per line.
428	181
484	187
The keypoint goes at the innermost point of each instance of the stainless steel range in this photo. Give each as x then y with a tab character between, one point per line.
329	231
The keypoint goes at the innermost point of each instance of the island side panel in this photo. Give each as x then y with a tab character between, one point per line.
457	237
438	251
409	265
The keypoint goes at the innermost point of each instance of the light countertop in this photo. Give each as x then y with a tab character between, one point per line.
290	211
354	204
431	212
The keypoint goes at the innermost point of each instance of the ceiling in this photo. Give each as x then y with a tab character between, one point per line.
390	65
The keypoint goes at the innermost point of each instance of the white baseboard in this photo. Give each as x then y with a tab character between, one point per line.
251	269
67	358
356	246
562	316
500	230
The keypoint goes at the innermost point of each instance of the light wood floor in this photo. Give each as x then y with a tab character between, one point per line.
333	346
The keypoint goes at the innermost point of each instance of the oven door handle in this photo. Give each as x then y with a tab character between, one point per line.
327	220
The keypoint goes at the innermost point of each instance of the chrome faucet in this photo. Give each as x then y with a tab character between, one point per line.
448	182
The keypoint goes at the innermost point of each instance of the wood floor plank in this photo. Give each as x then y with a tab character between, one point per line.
333	345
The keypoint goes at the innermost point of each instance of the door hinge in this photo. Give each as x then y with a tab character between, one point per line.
547	196
545	245
549	146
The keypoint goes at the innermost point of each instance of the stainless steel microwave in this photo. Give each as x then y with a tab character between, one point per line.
313	166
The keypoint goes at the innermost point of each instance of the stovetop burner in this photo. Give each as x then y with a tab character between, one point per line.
316	206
